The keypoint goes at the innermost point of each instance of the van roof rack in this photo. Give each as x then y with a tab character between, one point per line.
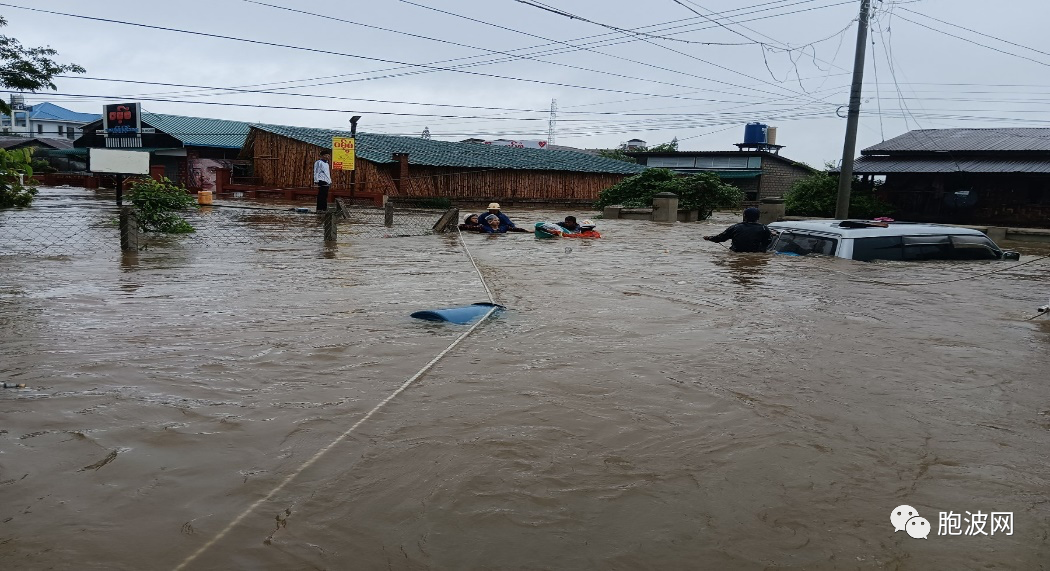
863	224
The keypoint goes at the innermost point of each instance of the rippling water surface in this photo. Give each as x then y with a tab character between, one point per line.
647	401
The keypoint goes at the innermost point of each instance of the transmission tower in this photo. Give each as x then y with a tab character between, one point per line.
426	132
553	122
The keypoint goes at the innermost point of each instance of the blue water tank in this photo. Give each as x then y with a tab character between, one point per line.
755	133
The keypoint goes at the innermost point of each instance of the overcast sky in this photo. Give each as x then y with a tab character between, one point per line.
654	70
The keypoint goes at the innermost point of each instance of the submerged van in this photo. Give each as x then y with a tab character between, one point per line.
868	240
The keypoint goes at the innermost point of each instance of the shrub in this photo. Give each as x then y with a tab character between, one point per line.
817	194
12	164
703	191
158	205
42	166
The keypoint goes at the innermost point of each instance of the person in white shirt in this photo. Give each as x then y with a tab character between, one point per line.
323	179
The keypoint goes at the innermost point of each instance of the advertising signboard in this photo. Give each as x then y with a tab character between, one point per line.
122	125
343	153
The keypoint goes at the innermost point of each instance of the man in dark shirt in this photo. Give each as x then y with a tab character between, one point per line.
748	236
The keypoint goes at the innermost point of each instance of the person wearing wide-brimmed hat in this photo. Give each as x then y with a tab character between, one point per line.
747	236
504	220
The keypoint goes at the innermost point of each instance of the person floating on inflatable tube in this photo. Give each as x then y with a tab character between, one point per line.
569	224
586	231
552	230
748	236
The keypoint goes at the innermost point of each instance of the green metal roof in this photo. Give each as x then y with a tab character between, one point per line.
199	131
736	173
427	152
61	152
83	151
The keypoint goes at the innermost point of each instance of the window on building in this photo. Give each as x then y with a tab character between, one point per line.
40	129
20	118
671	162
722	162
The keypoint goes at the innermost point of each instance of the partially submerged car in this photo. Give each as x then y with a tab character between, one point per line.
868	240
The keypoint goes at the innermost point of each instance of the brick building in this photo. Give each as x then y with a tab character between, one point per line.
758	173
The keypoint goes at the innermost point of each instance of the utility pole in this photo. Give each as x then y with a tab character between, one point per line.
353	173
849	148
552	123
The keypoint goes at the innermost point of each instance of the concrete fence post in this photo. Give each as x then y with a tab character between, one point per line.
665	207
996	233
331	233
770	210
130	237
388	214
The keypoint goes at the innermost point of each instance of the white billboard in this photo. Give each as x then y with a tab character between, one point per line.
118	162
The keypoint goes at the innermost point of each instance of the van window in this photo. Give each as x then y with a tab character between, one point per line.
974	248
802	244
927	248
878	248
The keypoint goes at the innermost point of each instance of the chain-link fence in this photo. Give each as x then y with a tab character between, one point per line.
57	230
394	221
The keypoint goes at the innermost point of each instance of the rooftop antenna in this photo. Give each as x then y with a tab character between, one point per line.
553	122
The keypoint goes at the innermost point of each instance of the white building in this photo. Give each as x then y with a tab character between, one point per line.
44	120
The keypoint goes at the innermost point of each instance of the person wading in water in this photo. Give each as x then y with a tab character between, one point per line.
747	236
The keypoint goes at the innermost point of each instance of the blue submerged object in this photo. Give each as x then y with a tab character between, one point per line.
457	315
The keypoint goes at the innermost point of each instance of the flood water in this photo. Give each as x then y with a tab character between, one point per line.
647	401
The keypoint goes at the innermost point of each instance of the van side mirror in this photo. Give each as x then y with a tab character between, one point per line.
1011	255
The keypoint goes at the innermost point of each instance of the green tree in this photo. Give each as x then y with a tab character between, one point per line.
28	69
816	195
671	147
703	191
16	178
620	153
158	205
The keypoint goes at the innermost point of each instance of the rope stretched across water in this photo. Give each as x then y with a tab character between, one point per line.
313	459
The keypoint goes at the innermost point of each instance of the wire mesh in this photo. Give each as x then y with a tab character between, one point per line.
56	230
221	226
388	223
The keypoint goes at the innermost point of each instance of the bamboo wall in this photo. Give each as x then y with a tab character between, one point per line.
281	162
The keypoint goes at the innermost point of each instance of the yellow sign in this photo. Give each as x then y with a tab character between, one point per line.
343	153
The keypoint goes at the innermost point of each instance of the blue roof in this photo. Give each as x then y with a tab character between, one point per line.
427	152
51	112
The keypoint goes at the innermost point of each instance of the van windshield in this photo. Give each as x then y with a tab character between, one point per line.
801	244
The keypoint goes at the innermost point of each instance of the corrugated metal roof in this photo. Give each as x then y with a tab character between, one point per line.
51	112
961	140
199	131
427	152
891	165
49	142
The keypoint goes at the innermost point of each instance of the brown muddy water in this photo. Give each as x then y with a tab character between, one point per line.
647	401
